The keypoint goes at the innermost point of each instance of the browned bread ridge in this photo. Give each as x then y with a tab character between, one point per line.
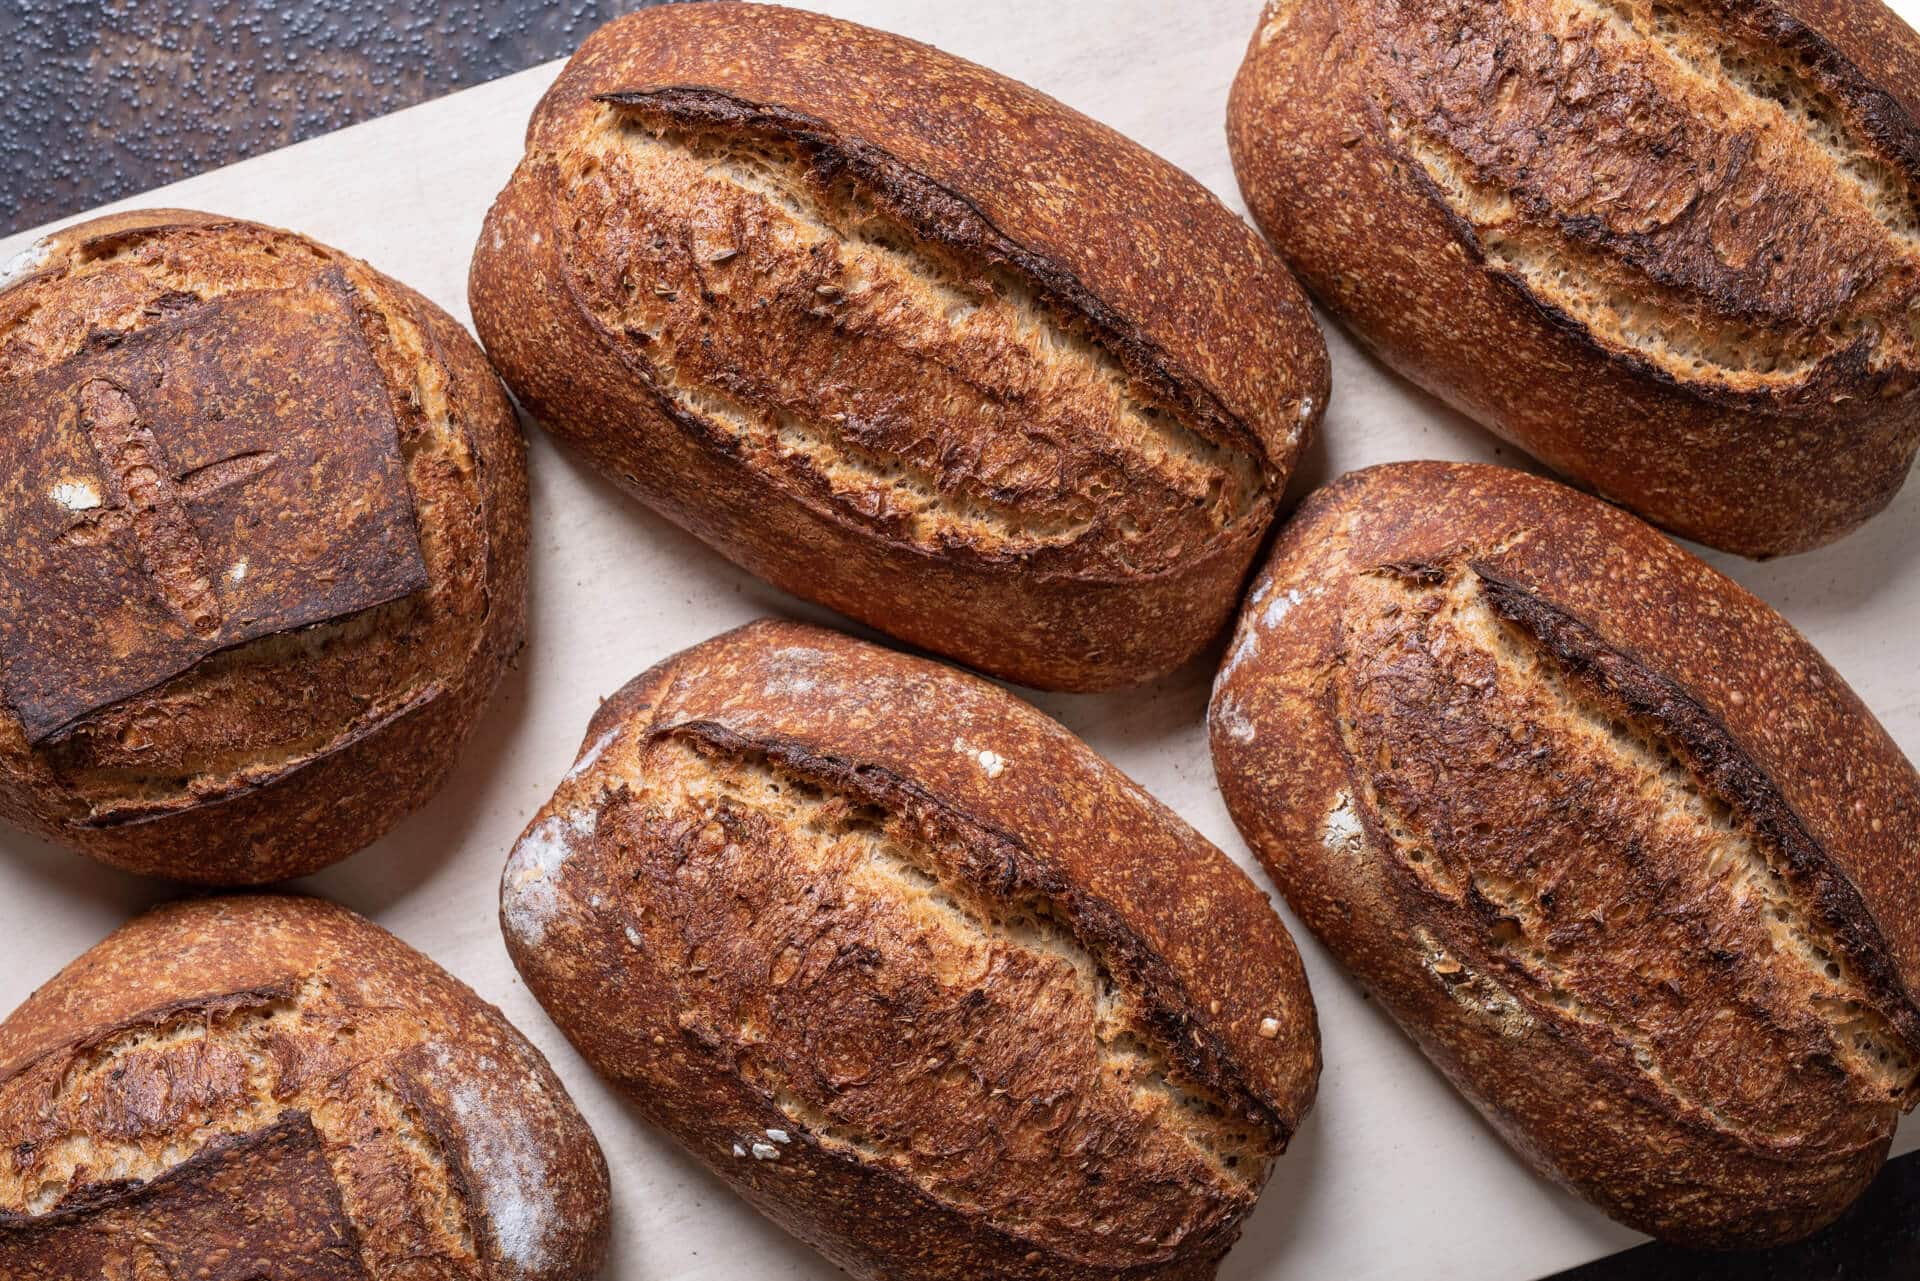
262	546
929	983
1672	249
1606	836
269	1086
902	336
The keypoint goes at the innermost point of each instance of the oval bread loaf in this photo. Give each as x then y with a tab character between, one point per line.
903	336
1608	838
1672	249
262	546
925	980
270	1086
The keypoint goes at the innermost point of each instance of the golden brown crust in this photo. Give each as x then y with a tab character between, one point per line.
1594	823
1583	223
909	387
274	1078
310	572
921	977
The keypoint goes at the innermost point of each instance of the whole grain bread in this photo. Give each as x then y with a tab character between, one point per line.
924	979
903	336
1672	249
265	546
256	1086
1605	835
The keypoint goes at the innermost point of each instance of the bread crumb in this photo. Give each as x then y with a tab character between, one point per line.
989	761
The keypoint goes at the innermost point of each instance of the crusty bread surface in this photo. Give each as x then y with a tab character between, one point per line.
914	971
266	546
1671	249
1608	838
232	1088
903	336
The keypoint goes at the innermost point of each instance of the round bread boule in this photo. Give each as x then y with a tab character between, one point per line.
270	1086
264	548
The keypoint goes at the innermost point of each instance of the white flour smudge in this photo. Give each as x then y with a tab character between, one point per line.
533	872
25	263
1232	721
592	754
508	1165
1341	832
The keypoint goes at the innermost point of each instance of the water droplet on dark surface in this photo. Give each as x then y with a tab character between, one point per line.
105	100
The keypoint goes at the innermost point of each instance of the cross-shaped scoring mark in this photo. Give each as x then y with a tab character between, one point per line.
155	501
227	473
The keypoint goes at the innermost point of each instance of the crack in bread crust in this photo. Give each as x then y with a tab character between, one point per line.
149	1097
1597	851
175	1226
1674	236
995	1056
932	390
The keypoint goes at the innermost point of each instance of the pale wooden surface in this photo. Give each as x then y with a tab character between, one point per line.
1393	1176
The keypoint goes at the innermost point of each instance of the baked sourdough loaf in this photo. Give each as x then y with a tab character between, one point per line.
237	1088
262	546
1672	249
1604	834
903	336
925	980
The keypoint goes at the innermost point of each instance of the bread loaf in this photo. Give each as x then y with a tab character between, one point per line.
262	546
1672	249
924	979
903	336
236	1088
1605	835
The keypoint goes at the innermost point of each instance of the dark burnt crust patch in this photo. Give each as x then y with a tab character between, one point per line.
999	865
156	473
944	216
182	1223
1712	754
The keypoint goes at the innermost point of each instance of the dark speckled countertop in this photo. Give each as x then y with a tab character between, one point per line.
105	98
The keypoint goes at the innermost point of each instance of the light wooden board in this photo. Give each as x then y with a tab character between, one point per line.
1393	1176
